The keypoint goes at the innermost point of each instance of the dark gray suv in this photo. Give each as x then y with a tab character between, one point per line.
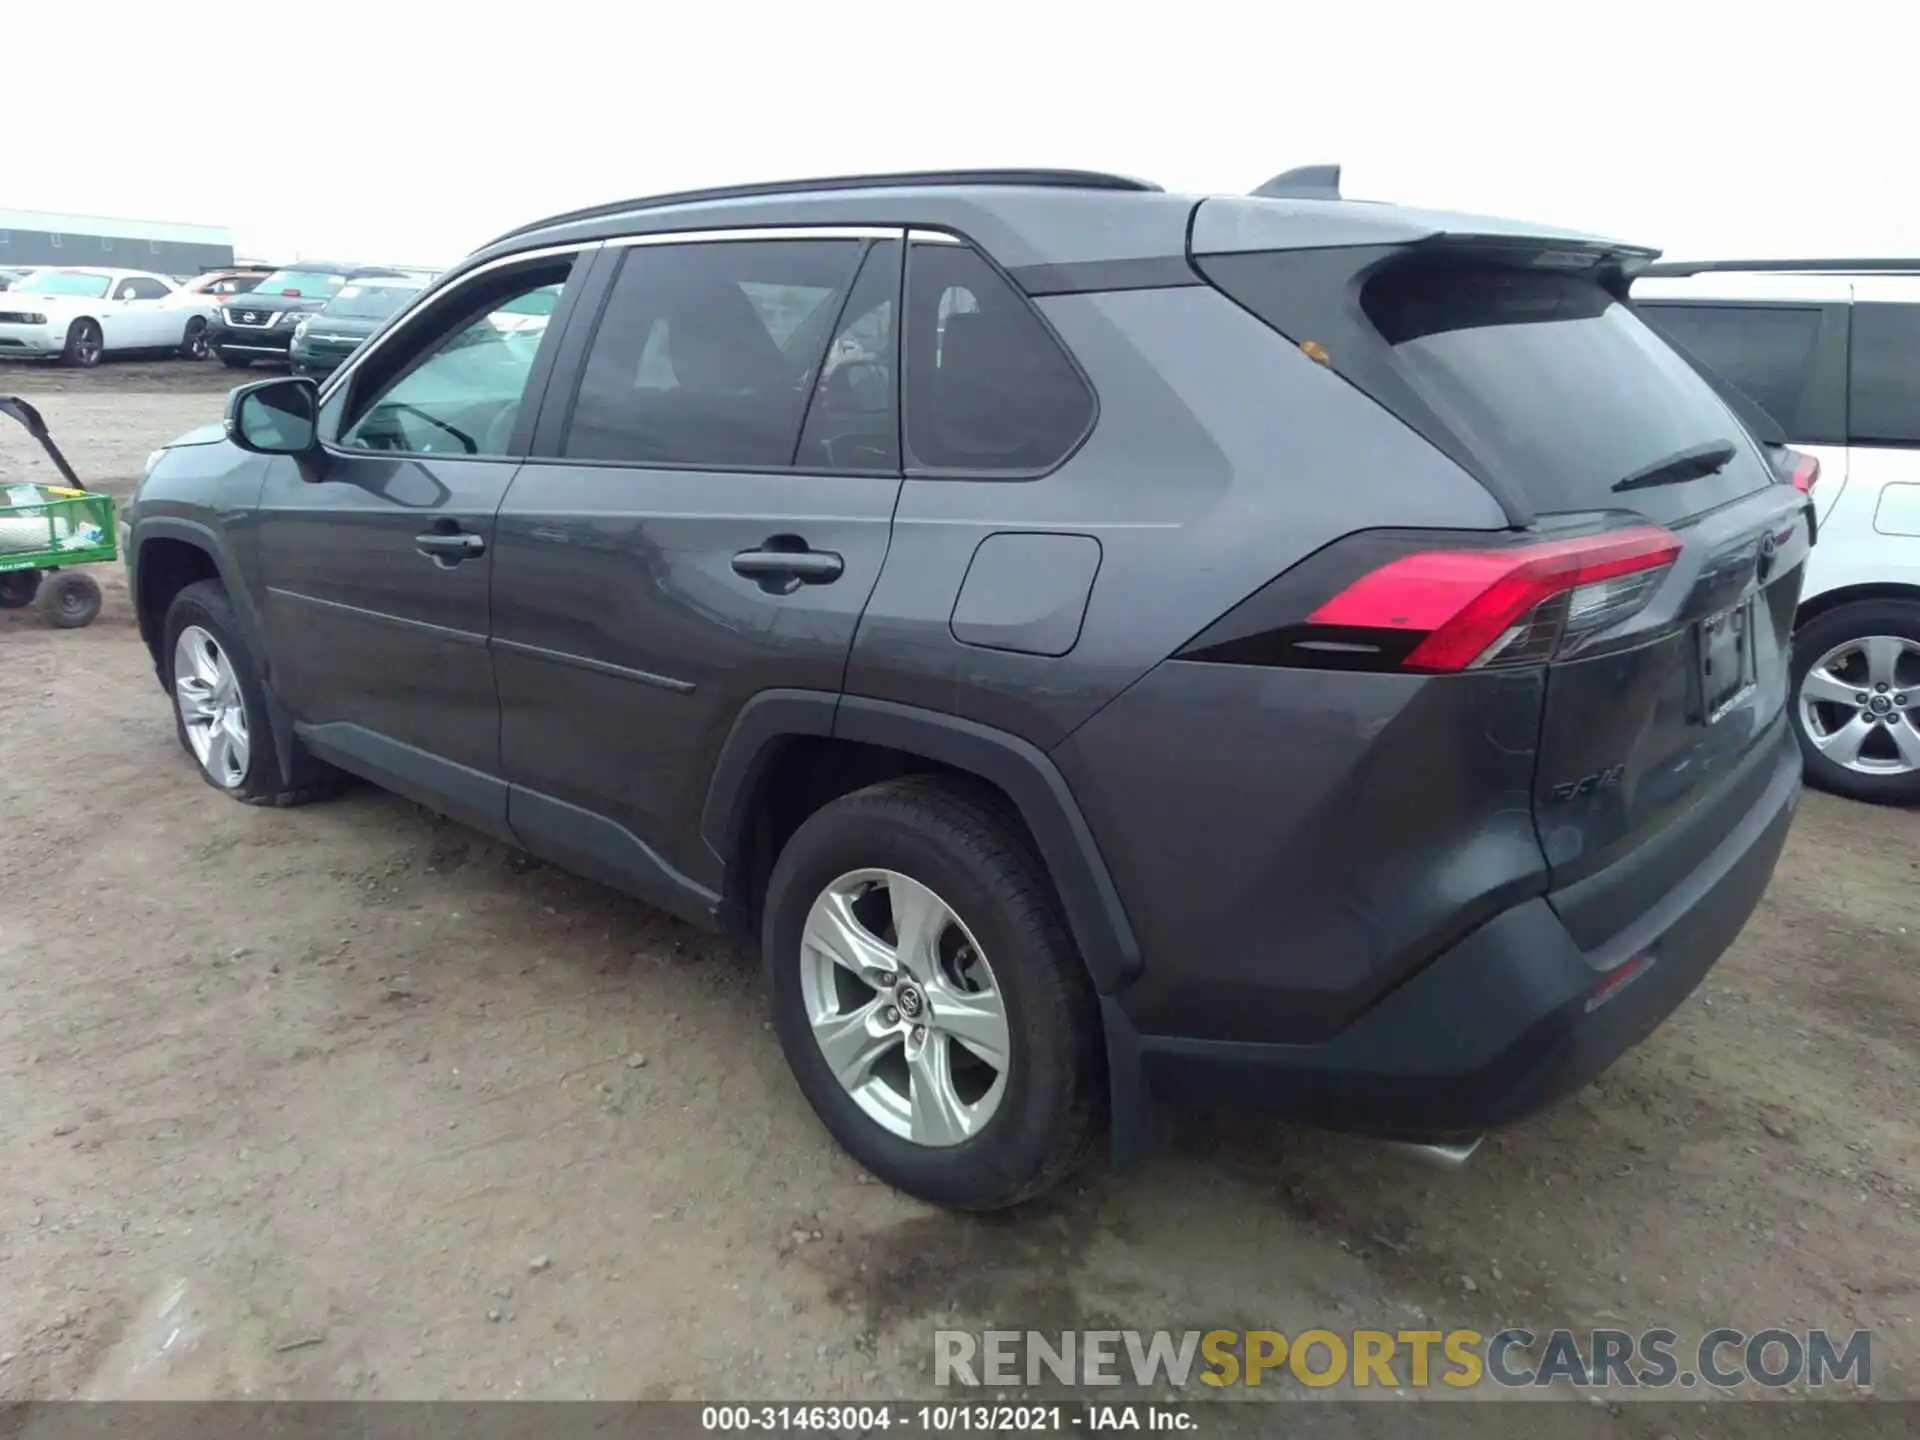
1105	644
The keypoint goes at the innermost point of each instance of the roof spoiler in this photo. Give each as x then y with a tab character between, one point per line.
1303	182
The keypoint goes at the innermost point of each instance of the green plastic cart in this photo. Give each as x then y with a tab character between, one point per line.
48	530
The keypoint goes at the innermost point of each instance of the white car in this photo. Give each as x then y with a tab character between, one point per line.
1830	349
77	314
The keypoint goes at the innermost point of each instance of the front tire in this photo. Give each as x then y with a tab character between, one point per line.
1856	700
236	362
928	997
84	345
219	708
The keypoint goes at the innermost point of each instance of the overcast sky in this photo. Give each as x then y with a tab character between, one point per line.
410	132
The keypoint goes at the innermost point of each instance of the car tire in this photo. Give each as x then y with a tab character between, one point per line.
1871	648
84	345
196	344
17	589
236	362
931	1116
70	600
223	701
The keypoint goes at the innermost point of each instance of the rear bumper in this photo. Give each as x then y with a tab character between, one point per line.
1501	1024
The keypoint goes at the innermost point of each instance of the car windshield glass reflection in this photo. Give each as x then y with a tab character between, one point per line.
369	302
66	282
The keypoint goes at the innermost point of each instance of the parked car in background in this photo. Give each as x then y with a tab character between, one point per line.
1260	649
9	277
259	324
360	307
78	315
1830	349
221	285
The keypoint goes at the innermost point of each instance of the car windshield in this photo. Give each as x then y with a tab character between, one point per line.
364	301
307	284
66	282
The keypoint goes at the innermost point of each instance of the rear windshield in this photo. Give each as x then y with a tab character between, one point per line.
1554	384
1536	380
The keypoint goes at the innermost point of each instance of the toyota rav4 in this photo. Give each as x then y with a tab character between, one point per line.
1104	644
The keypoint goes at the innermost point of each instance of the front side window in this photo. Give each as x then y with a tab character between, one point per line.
988	388
454	381
706	352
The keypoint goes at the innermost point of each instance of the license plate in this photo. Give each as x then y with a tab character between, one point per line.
1726	661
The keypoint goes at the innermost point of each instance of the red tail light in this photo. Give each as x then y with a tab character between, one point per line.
1517	605
1806	473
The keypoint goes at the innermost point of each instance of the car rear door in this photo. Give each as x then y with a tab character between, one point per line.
375	563
703	519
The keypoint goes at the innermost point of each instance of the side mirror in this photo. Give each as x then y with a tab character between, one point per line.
275	417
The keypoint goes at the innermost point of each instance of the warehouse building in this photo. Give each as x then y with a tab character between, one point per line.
34	237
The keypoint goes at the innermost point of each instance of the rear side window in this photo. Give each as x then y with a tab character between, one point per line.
988	388
706	352
1551	381
1884	390
853	420
1787	358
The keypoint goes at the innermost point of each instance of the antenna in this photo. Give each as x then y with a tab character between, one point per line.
1303	182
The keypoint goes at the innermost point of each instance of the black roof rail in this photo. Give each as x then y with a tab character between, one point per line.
1303	182
1675	268
1053	179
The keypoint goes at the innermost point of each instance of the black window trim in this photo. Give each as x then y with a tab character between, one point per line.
433	299
564	382
919	235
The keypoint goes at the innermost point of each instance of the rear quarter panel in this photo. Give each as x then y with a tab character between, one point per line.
1220	457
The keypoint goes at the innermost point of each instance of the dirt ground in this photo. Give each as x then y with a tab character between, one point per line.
347	1100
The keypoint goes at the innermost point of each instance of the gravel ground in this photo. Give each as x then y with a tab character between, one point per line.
350	1101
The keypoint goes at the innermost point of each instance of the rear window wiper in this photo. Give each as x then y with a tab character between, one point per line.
1695	463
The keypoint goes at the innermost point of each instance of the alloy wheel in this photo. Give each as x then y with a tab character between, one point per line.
904	1007
213	708
1859	704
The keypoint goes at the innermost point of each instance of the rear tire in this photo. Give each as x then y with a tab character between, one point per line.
223	702
84	345
1873	646
998	944
70	600
195	345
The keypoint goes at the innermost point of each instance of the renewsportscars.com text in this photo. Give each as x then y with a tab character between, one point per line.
1656	1358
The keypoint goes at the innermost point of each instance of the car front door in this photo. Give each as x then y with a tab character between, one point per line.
376	560
703	519
150	320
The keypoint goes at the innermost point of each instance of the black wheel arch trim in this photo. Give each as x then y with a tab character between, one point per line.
1020	770
205	538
